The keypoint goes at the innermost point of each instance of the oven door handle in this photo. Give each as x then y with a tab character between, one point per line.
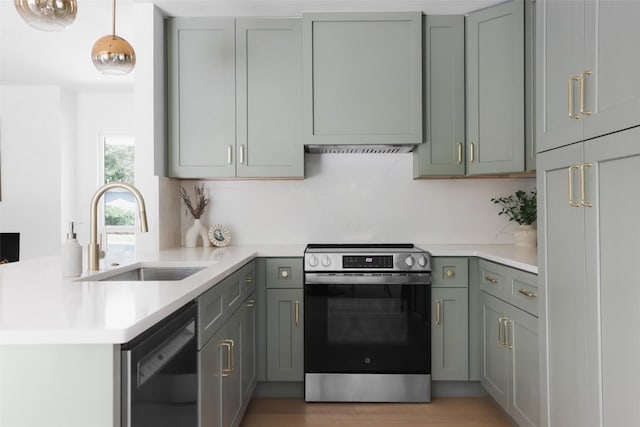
367	279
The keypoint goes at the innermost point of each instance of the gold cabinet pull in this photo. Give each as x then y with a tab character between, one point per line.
242	154
472	148
508	328
297	310
570	97
250	303
491	279
228	345
229	154
438	312
571	202
248	279
583	202
528	293
450	273
582	79
459	152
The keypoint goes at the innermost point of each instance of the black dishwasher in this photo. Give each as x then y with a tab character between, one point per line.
159	374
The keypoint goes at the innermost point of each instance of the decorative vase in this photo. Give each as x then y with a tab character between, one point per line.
196	230
525	235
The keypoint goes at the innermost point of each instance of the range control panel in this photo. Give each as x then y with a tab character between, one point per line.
366	259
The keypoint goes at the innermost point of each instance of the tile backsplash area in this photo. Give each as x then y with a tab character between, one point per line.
359	198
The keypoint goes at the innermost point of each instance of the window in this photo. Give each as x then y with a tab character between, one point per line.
119	209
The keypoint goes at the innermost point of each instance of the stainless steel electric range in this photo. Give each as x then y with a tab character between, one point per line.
367	323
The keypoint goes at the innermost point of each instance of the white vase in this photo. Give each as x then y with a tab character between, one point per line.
525	235
196	230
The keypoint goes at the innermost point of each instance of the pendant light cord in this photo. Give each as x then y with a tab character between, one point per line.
113	21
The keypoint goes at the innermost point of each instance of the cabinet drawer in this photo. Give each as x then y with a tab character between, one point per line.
212	312
494	279
449	272
284	273
248	279
523	291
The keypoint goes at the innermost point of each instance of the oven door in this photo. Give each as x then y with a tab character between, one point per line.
365	327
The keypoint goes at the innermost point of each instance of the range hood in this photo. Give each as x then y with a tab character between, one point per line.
360	149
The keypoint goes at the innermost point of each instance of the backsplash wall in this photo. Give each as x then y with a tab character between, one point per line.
353	198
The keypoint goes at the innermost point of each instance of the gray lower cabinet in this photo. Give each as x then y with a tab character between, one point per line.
450	319
588	265
495	115
235	98
362	78
285	333
248	348
510	359
442	152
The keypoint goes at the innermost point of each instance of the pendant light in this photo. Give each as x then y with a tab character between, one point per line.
112	54
47	15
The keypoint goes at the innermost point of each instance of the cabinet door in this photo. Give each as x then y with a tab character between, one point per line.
567	303
201	97
210	366
495	356
362	78
613	248
285	335
449	334
248	348
559	56
495	89
612	92
525	385
232	382
269	98
442	152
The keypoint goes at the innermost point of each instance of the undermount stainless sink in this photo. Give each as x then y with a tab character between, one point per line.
143	274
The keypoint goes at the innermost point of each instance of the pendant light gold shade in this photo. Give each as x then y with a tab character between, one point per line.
113	55
47	15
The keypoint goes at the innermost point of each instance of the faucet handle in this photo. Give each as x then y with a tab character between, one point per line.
101	252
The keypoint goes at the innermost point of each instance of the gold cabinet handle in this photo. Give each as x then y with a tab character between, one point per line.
228	345
582	197
472	148
438	312
501	330
248	279
297	313
528	293
508	328
571	202
242	154
250	303
459	152
582	79
229	154
450	273
491	279
570	97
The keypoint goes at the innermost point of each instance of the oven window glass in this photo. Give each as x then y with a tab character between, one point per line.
367	329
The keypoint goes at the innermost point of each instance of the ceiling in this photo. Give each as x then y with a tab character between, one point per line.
32	57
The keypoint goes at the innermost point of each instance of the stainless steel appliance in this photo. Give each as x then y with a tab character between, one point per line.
367	323
159	374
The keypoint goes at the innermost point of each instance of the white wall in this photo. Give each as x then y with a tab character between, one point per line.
32	127
353	198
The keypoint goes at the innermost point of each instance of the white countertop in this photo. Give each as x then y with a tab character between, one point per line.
38	306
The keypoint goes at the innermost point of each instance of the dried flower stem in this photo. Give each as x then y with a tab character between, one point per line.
201	201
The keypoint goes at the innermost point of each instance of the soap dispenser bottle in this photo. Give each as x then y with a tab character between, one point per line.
71	256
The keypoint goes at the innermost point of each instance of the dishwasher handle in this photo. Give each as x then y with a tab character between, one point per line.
154	361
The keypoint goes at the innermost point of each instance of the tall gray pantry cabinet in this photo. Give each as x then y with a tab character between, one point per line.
588	214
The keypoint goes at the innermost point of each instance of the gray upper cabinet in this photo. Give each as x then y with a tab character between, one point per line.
362	78
495	89
442	153
235	98
586	85
201	96
269	98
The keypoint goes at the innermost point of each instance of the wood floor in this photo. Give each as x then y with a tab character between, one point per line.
445	412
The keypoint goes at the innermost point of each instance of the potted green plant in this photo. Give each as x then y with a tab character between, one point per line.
520	207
